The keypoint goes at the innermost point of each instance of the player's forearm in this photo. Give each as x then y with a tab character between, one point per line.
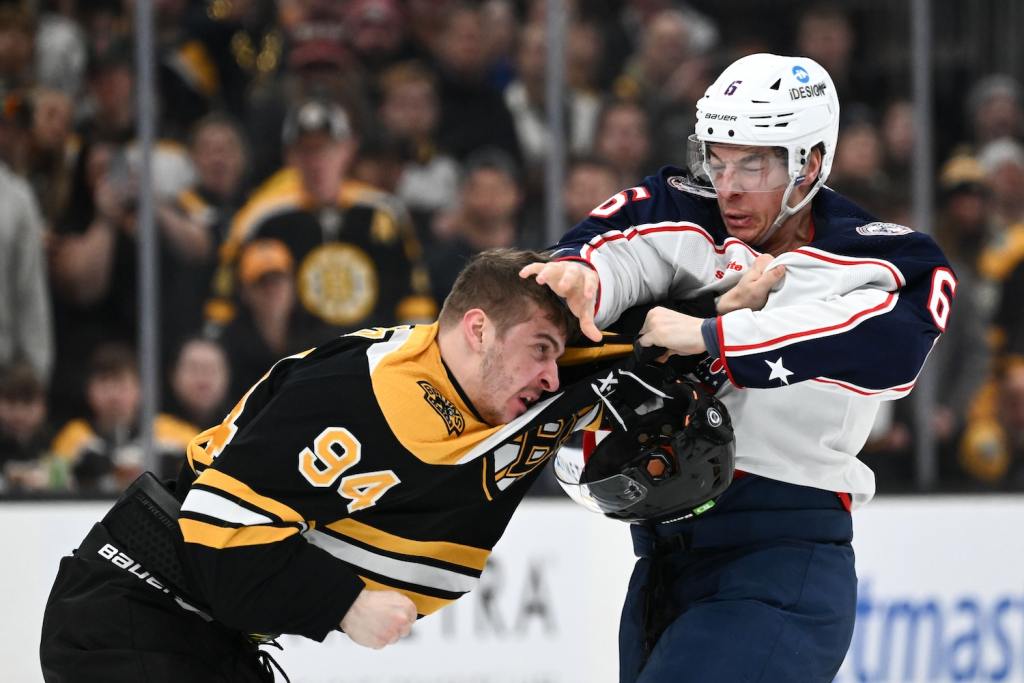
285	587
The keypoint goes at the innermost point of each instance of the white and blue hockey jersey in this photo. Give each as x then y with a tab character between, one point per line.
851	323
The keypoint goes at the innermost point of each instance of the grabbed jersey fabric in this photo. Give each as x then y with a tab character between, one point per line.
852	322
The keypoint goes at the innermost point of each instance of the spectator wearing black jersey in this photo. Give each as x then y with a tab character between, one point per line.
356	257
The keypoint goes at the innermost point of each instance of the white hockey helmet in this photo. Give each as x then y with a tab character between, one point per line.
766	100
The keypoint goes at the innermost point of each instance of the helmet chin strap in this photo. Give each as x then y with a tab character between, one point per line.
788	211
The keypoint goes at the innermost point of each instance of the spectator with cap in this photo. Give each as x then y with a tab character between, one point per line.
318	63
263	331
357	260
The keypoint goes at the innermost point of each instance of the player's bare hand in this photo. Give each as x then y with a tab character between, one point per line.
753	288
379	618
574	282
677	332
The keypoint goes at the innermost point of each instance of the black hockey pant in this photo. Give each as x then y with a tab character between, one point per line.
109	623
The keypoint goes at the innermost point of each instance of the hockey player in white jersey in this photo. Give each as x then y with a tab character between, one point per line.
761	587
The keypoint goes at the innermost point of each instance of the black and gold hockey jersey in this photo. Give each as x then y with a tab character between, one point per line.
359	463
357	263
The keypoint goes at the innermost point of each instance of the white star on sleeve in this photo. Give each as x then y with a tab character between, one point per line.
779	372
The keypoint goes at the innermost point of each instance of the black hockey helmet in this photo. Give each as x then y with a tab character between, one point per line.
671	463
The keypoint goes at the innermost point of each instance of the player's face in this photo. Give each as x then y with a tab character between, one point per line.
518	367
749	183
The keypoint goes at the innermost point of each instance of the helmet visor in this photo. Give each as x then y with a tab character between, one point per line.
612	494
725	168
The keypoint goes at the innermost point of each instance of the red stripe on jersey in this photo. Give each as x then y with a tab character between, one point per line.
794	335
845	499
862	392
630	233
896	275
721	346
578	259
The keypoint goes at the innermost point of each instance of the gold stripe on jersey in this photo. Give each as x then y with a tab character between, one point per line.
213	536
454	553
396	369
425	604
196	453
215	479
577	355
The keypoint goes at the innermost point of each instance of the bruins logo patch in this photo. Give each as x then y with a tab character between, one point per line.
338	283
453	419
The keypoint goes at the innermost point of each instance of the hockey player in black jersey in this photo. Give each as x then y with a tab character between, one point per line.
762	587
358	485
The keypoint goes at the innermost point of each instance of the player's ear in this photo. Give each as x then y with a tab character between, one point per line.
812	168
474	327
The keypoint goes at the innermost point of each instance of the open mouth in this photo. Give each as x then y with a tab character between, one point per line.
737	219
526	400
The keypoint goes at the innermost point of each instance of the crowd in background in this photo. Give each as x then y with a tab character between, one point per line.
326	166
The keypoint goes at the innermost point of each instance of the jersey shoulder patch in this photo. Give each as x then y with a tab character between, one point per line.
891	229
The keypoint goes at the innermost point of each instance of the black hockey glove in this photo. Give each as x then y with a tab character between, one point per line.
634	388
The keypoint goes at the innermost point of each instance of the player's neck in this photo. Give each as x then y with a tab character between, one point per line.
456	355
794	233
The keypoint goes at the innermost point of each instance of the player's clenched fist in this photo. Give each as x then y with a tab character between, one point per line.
379	618
574	282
